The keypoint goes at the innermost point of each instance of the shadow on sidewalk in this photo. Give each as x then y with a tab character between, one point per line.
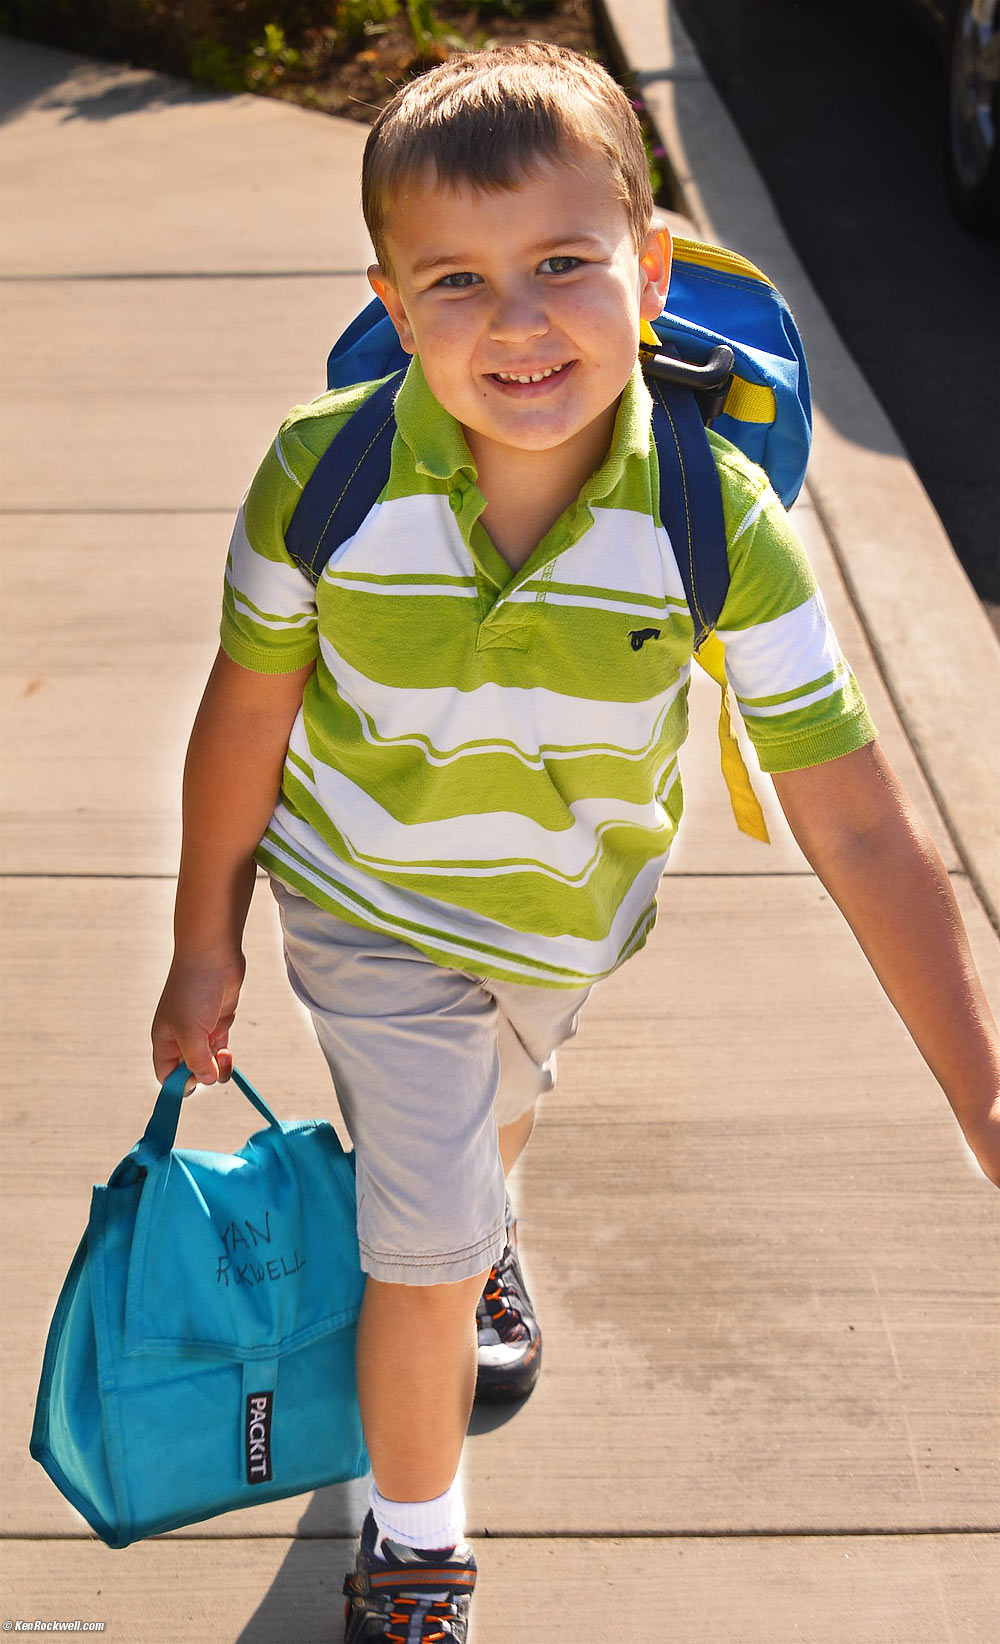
305	1598
83	88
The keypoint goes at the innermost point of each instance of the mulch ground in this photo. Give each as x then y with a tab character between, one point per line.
357	82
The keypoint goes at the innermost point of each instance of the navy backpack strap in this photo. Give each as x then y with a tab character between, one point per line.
345	484
691	502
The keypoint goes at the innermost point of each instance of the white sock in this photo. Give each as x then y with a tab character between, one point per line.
425	1524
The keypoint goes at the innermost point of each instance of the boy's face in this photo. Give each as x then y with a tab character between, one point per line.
539	281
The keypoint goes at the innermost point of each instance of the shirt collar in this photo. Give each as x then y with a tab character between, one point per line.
440	449
629	440
434	437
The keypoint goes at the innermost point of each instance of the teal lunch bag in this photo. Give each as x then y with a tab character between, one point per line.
201	1354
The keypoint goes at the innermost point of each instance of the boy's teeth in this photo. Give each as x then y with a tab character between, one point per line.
536	376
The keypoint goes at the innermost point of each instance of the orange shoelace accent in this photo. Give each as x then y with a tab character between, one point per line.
438	1610
496	1295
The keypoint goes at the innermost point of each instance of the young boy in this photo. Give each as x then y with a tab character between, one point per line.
462	777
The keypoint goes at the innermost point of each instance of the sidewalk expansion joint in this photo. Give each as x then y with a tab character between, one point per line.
776	1533
188	274
749	873
44	513
840	1533
17	873
767	873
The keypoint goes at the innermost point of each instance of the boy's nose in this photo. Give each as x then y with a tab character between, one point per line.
516	318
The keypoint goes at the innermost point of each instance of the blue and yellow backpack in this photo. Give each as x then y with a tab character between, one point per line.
725	353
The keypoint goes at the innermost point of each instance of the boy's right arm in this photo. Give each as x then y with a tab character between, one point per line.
232	776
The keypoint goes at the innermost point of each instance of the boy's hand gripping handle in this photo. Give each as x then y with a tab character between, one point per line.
161	1131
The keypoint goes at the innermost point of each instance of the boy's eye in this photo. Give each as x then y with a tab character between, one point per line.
559	265
459	282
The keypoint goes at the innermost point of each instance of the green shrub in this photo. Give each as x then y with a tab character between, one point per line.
211	64
423	24
356	18
266	62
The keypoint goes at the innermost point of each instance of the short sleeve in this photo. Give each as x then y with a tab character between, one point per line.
269	605
796	693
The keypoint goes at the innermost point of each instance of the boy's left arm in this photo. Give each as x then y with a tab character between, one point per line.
859	832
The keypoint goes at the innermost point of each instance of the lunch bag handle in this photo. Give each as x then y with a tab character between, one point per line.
161	1132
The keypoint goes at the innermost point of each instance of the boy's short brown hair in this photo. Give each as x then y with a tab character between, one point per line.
486	118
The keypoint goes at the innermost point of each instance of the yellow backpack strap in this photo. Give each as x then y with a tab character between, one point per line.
746	805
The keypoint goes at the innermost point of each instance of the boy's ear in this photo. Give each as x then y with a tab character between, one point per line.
654	270
383	287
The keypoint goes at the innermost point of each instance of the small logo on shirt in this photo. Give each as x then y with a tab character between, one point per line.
639	636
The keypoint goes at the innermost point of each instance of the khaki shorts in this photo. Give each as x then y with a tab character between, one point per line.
427	1063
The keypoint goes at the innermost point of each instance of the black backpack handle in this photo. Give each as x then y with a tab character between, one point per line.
709	382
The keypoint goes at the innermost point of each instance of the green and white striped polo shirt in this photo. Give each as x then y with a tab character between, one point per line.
484	765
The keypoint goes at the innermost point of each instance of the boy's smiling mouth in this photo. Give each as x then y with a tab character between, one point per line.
529	379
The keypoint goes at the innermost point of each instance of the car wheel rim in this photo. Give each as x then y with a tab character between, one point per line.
975	73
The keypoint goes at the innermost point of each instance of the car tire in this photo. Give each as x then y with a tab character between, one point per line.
972	150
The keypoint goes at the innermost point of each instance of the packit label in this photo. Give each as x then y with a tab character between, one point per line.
257	1434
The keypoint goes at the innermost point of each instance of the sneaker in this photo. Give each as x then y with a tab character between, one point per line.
509	1353
401	1596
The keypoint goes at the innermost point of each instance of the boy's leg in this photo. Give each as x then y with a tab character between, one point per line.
416	1379
413	1052
426	1063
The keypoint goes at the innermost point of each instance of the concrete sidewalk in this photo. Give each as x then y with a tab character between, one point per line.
768	1286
